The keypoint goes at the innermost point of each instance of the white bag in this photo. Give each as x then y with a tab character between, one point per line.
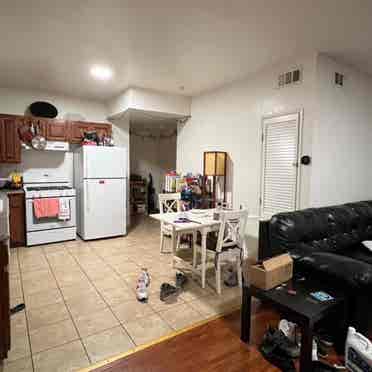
358	352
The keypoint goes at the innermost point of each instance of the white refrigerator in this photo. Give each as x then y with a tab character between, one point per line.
100	177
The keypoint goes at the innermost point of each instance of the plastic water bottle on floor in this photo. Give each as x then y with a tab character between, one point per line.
142	284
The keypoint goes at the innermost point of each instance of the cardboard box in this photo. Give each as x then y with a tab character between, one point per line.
272	272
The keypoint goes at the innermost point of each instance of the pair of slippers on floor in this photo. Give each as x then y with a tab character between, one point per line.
167	291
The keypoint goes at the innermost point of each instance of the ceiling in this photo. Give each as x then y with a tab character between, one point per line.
165	44
150	124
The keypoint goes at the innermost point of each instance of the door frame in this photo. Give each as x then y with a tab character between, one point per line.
300	115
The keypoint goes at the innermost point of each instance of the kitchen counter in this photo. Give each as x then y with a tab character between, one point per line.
3	237
12	191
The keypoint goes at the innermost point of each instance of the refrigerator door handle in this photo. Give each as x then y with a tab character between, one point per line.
85	166
87	202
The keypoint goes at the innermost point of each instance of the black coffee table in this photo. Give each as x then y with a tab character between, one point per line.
300	309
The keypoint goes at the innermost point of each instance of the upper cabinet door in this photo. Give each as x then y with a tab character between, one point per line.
57	130
77	130
102	129
10	145
38	125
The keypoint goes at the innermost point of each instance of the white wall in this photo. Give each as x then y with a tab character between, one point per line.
342	150
153	155
229	119
120	132
16	101
149	100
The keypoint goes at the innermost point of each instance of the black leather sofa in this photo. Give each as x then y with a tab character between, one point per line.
326	243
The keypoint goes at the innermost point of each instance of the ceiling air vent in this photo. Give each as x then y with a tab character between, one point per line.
290	77
339	79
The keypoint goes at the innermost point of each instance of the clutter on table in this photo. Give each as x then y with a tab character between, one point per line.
272	272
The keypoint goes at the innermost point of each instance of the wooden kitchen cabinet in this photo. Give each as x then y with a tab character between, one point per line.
51	129
4	300
57	130
10	145
78	128
17	219
39	124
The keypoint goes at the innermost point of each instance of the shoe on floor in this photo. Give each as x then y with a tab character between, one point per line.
231	279
288	328
181	280
167	291
281	342
274	354
324	337
321	349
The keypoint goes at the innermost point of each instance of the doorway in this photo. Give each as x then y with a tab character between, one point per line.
153	148
280	164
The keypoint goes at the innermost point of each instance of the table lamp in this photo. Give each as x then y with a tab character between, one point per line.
215	166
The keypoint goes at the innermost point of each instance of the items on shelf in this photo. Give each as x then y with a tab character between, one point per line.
91	138
138	194
190	187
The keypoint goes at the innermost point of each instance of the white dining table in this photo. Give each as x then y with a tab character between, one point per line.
198	220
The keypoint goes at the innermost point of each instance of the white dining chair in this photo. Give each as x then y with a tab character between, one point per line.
169	203
230	243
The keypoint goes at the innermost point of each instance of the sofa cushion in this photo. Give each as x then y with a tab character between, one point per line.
359	252
330	229
342	269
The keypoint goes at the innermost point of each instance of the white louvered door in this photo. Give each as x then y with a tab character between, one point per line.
280	143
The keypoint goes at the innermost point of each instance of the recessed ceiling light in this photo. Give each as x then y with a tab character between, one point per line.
101	72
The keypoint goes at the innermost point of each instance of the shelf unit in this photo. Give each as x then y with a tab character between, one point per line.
138	197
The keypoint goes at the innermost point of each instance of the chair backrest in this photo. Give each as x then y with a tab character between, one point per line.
170	202
232	229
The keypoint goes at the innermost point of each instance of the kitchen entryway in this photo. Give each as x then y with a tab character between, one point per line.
153	149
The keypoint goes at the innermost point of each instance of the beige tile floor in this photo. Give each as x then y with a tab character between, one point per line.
81	306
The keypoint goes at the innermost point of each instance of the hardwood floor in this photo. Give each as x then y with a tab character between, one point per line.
214	346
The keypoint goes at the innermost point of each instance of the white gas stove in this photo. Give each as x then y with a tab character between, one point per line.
49	229
51	190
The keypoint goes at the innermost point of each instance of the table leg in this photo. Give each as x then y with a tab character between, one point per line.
174	244
194	249
306	348
203	256
245	330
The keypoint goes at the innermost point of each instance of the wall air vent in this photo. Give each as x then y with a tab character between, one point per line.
339	79
290	77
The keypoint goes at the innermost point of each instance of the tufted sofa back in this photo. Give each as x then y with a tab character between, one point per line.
331	229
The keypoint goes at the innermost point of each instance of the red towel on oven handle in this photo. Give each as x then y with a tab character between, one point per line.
47	207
